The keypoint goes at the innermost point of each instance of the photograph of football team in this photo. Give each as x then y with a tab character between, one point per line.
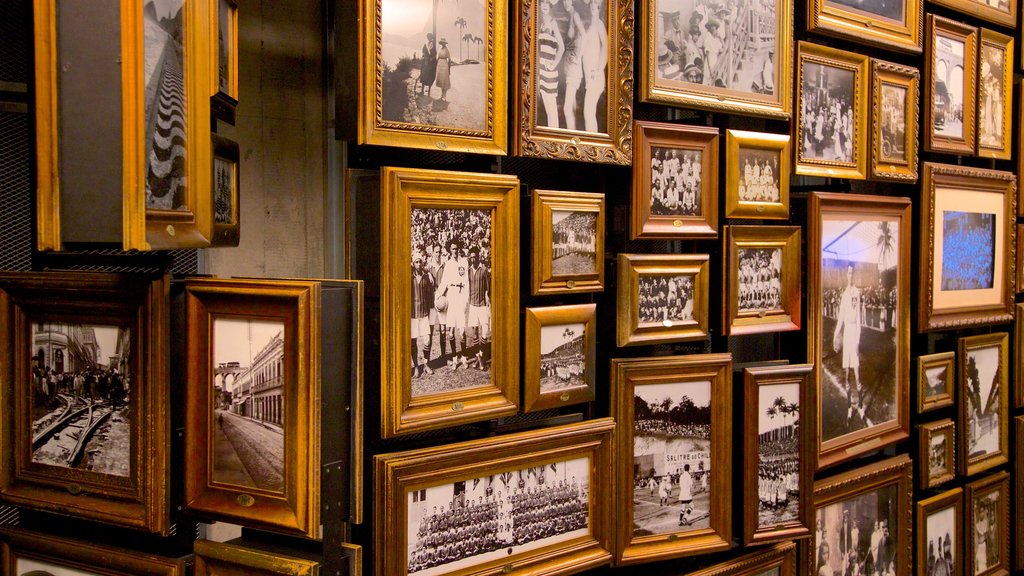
760	279
675	182
665	300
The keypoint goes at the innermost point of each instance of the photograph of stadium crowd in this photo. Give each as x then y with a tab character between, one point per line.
983	392
166	104
665	300
760	279
858	535
675	182
943	548
778	454
968	250
759	175
671	457
451	299
476	520
827	113
81	396
573	242
562	357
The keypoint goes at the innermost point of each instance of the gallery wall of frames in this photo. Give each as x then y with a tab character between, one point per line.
713	287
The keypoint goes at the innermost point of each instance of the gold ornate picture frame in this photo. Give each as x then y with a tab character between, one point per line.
949	120
568	242
982	407
27	553
895	92
561	356
939	535
969	213
424	386
399	107
826	143
662	298
936	453
995	94
547	124
224	59
762	279
988	525
936	379
1002	12
896	26
756	175
225	559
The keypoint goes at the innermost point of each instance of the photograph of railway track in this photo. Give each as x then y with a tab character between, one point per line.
249	403
81	397
165	104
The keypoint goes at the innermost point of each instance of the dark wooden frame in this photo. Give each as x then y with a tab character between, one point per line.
226	233
925	432
82	555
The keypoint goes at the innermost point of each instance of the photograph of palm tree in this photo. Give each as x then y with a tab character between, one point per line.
778	454
562	358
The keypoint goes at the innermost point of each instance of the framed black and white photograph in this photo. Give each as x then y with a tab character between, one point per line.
895	92
936	453
662	298
226	184
950	86
983	401
995	94
892	24
762	279
938	540
756	175
224	23
936	379
987	526
561	356
568	242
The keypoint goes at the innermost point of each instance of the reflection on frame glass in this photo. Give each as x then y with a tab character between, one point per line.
889	24
756	175
734	61
28	553
576	66
859	286
938	541
673	441
762	274
935	380
983	394
950	84
936	453
568	242
894	119
662	298
561	355
988	525
995	94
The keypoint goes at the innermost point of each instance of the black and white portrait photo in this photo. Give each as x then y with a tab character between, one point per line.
948	72
562	357
759	175
986	528
778	454
675	182
572	64
858	535
224	186
451	299
827	113
938	463
760	279
573	242
942	545
968	250
892	10
81	397
983	409
671	458
859	283
249	403
165	104
990	96
665	300
476	520
434	62
716	44
894	121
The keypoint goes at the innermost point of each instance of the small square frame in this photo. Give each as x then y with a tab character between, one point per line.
971	465
998	482
632	267
536	319
864	27
786	317
968	36
926	403
947	428
735	206
545	281
884	166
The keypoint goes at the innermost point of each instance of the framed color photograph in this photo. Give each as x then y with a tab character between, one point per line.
28	553
895	90
534	501
561	355
936	378
938	541
225	59
673	442
778	560
967	247
995	95
433	75
895	24
778	459
762	279
859	334
226	183
732	61
830	133
568	242
983	413
936	453
756	175
662	298
988	526
574	95
450	263
675	181
84	386
223	559
863	521
950	80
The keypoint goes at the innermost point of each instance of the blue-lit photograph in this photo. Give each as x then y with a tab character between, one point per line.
968	250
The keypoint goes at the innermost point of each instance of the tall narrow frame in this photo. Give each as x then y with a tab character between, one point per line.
785	316
884	165
969	463
960	33
951	499
994	46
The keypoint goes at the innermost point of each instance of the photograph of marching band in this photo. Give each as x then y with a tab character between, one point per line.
573	243
81	402
665	300
858	535
982	391
759	175
760	279
165	104
778	454
671	458
987	526
968	250
948	73
451	299
894	121
942	545
859	288
990	96
675	182
827	113
248	403
476	520
562	357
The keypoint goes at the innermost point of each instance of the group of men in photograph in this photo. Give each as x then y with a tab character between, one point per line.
675	182
859	552
665	299
778	472
759	181
567	370
95	384
575	235
827	126
760	279
940	557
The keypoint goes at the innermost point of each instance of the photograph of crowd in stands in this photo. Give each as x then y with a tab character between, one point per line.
948	73
476	520
573	243
858	535
894	122
778	454
990	96
675	182
942	544
717	44
671	457
938	464
572	64
859	291
165	104
665	300
434	62
827	113
562	356
451	299
760	279
968	250
759	175
982	390
249	383
987	537
80	396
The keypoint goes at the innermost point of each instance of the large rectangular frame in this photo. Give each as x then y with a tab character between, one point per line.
980	9
787	317
968	35
969	465
631	268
